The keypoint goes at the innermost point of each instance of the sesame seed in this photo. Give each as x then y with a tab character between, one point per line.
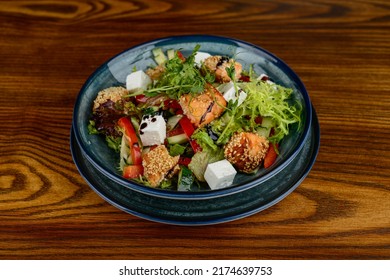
246	150
157	164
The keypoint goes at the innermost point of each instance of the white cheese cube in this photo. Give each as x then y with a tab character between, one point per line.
152	130
220	174
137	80
200	57
264	77
229	92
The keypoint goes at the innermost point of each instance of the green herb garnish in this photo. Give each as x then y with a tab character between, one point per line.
180	77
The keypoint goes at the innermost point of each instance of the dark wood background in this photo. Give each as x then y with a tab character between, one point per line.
341	51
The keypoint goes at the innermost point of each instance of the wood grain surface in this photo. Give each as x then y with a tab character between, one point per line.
339	48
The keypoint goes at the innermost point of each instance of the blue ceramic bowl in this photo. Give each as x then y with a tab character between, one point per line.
113	73
215	208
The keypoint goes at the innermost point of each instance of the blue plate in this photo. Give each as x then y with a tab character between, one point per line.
208	210
113	73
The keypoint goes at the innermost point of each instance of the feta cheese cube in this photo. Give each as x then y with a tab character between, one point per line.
229	92
264	77
220	174
152	130
200	57
137	80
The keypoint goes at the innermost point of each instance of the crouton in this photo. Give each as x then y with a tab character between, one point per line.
112	93
158	164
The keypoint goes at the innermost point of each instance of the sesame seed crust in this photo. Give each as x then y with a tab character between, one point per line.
112	93
157	164
246	151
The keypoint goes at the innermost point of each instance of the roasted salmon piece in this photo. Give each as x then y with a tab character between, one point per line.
156	72
203	108
217	64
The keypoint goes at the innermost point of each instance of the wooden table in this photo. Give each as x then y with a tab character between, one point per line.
341	51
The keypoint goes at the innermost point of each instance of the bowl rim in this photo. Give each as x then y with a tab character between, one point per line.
207	194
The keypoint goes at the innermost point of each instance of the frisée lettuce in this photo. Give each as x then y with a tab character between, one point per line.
265	99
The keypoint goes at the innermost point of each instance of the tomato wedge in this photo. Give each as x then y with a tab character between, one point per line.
176	131
184	160
141	98
187	126
181	56
189	129
195	146
133	171
271	156
131	136
245	78
172	103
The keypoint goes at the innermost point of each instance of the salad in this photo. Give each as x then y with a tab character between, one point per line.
193	122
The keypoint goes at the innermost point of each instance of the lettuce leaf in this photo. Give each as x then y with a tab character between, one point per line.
204	140
274	101
201	159
263	99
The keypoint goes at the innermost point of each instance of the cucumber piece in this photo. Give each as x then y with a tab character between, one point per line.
267	122
151	110
173	121
171	53
135	123
186	179
125	158
263	131
177	139
159	56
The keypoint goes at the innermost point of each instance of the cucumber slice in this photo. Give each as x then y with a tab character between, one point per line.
267	122
159	56
125	158
171	53
186	179
151	110
173	121
135	123
263	131
177	139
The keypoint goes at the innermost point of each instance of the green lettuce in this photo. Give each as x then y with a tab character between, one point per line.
204	140
263	99
201	159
